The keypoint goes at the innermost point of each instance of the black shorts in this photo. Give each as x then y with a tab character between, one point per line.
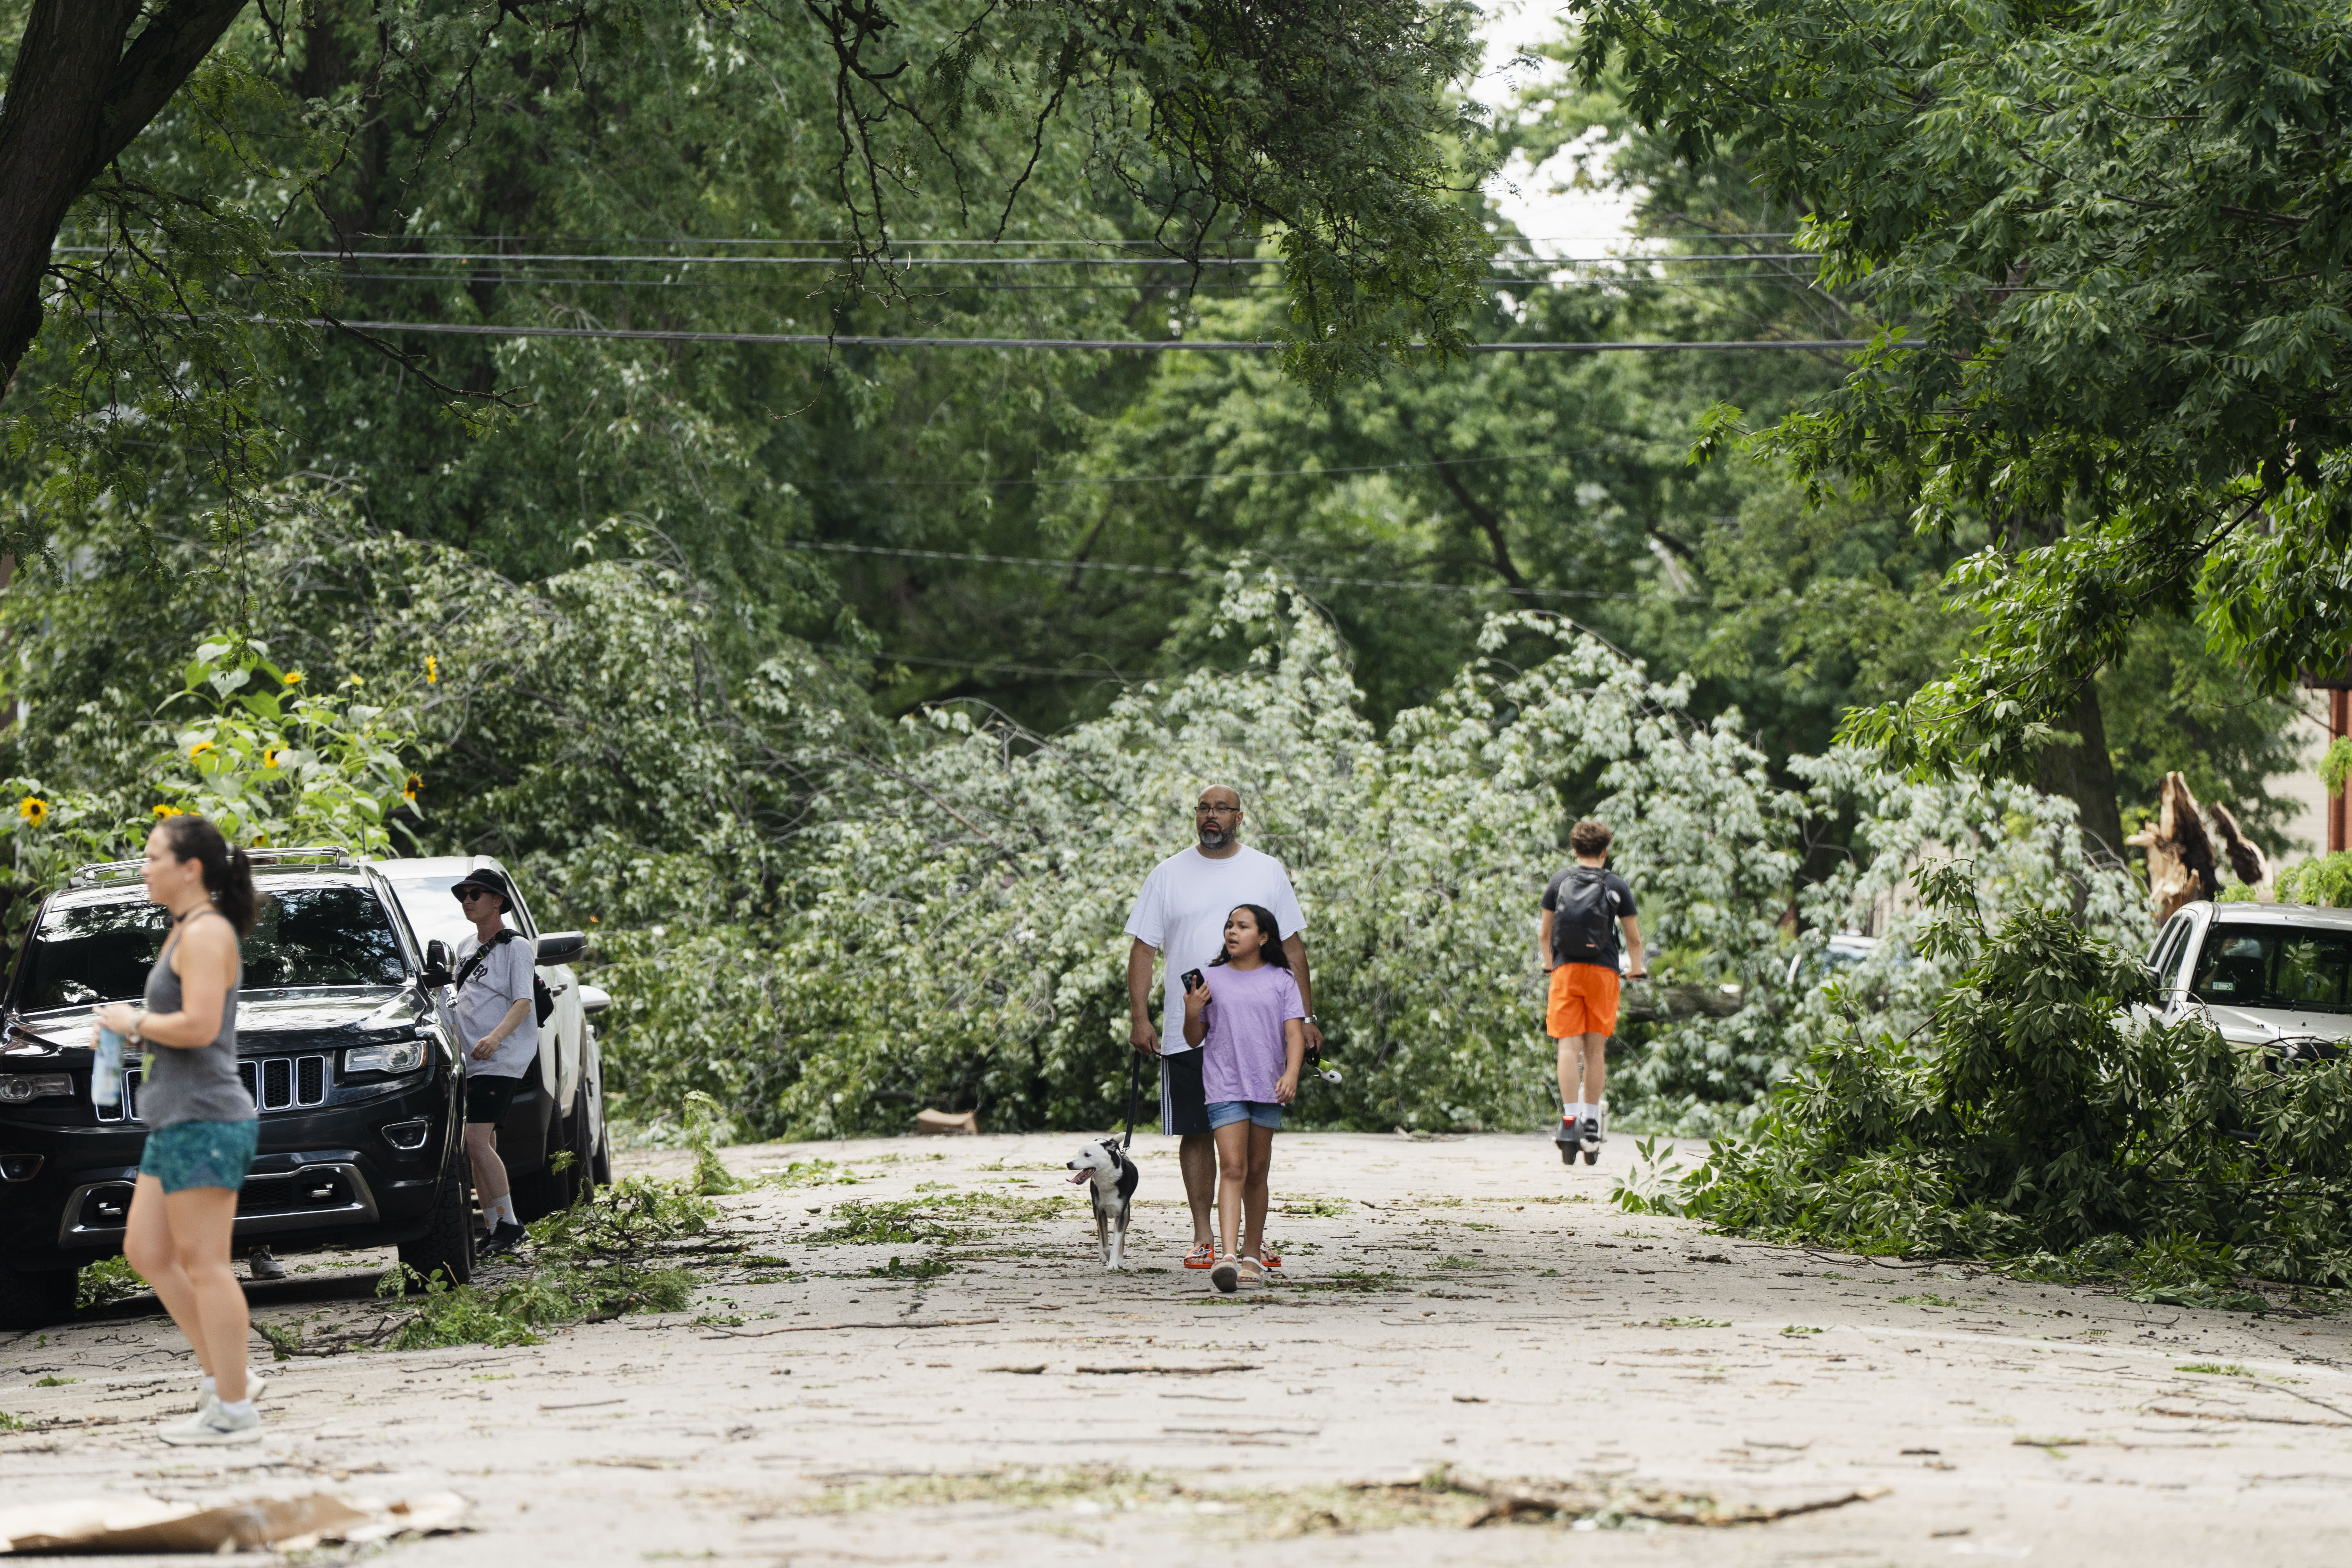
487	1099
1183	1106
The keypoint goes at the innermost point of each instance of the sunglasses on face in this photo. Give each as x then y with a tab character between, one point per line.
469	894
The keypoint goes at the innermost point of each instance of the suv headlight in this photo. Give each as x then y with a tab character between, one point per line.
16	1087
400	1056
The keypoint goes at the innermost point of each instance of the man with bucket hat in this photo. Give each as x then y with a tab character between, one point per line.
497	1026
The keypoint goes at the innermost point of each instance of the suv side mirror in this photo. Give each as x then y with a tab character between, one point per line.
561	946
437	963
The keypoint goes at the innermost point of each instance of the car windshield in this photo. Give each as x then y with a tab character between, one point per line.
433	910
89	953
2256	966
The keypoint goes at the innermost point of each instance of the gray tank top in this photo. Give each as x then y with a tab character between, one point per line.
191	1083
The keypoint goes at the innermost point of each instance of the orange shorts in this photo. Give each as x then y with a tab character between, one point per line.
1583	1001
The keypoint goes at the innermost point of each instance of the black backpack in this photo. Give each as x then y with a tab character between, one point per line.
1579	925
542	1000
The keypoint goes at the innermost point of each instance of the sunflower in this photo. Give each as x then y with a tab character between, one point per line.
416	783
431	670
163	811
269	758
293	677
33	809
198	749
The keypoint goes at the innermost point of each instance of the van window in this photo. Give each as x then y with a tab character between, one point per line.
2259	966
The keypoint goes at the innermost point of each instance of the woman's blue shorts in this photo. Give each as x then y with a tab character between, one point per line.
1225	1113
201	1153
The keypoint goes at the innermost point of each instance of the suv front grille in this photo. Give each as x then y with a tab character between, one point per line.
276	1083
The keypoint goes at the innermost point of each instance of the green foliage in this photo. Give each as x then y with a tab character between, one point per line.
108	1280
2335	766
706	1123
600	1258
268	759
2051	1124
2103	241
922	1268
2324	880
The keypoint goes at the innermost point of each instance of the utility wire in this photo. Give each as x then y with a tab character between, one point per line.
1200	572
524	257
1238	473
1112	345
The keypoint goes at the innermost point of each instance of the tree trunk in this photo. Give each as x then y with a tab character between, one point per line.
2079	769
76	99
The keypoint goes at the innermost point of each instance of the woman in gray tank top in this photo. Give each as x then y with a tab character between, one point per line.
202	1124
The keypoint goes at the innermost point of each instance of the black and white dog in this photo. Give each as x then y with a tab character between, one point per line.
1114	1178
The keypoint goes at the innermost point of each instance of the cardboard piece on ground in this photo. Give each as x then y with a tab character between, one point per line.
959	1123
144	1524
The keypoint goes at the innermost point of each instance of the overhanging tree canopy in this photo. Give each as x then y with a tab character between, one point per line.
2115	237
1325	126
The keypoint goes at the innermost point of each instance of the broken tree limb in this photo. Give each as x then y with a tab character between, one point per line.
2247	860
2180	868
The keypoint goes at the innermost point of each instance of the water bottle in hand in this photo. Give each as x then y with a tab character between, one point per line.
106	1078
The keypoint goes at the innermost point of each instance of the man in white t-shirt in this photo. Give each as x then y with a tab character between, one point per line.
500	1037
1181	914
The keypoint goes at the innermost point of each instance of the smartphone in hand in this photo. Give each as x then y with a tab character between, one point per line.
1193	981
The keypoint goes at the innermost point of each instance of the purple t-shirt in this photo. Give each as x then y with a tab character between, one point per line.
1243	1056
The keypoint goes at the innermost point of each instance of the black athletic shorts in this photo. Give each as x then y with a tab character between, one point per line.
487	1099
1183	1108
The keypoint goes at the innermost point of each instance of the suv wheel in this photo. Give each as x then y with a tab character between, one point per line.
36	1298
447	1245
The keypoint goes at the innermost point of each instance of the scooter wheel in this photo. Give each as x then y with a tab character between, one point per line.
1592	1156
1568	1153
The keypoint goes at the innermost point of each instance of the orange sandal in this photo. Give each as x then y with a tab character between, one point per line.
1201	1256
1269	1259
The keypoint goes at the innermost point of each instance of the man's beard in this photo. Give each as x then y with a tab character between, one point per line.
1216	837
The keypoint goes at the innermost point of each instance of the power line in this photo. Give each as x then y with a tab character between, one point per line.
1238	473
525	257
1109	345
1200	572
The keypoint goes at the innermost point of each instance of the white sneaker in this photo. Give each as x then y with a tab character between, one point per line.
214	1427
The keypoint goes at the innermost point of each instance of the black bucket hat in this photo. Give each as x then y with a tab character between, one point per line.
488	881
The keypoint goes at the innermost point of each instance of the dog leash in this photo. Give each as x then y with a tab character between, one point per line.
1134	1095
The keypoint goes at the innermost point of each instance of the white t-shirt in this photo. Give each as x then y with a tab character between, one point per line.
503	979
1182	909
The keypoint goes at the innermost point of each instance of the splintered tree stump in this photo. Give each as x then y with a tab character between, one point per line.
950	1123
2181	863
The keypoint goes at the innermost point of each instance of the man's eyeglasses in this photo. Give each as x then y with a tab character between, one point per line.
467	895
1215	810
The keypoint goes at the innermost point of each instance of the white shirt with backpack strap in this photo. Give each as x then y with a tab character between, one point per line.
487	992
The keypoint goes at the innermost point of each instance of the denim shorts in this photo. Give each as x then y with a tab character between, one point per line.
1261	1112
201	1153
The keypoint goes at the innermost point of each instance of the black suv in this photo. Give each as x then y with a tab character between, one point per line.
344	1039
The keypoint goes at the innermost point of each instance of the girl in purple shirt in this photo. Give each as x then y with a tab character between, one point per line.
1252	1020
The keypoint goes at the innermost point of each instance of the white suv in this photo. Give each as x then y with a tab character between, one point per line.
563	1106
2277	976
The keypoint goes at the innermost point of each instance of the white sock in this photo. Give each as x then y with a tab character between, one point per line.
507	1210
205	1387
239	1410
1576	1112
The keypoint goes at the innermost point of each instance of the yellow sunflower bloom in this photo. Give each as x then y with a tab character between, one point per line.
431	670
33	809
269	758
163	811
198	749
293	677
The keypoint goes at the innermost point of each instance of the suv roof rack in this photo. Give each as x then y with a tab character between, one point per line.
116	870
